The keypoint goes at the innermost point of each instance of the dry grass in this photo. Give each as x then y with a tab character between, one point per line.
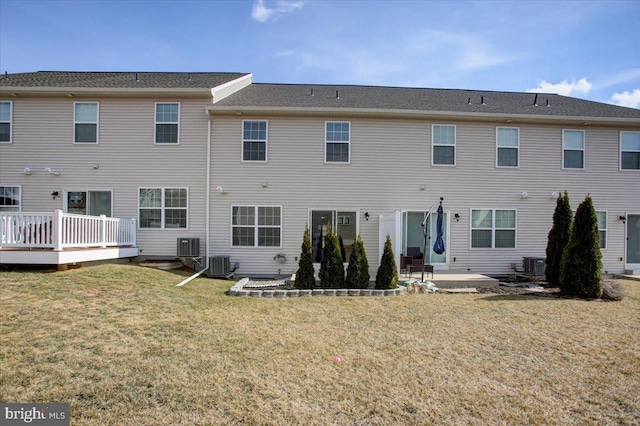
124	346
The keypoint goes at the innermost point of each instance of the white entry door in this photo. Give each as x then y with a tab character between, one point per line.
391	225
633	242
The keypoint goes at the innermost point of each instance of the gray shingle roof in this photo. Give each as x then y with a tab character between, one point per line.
118	80
416	99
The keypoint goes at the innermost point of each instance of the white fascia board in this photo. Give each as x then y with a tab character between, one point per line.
402	113
220	92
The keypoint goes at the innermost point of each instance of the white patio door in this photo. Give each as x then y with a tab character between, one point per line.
633	242
413	236
94	203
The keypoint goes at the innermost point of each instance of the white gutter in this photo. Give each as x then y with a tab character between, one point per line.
206	209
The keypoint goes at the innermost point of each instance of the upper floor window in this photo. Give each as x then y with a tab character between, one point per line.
493	228
507	146
163	207
10	200
256	226
337	142
254	140
602	228
444	144
573	149
5	121
167	123
85	122
630	150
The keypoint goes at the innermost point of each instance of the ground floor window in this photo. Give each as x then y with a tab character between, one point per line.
94	203
346	224
10	199
163	208
602	228
493	228
256	226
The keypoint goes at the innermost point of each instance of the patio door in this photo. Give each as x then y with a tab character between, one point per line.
413	236
633	242
94	203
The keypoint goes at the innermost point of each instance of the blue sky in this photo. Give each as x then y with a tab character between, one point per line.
586	49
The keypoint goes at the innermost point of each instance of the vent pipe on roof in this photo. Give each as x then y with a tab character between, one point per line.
469	102
6	75
548	103
337	94
137	79
482	100
535	100
189	76
312	92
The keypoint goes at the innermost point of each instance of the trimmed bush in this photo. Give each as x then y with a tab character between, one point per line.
343	253
387	276
331	267
358	269
304	275
558	238
582	260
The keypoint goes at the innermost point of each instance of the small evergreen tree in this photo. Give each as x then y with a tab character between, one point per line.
558	238
358	269
304	275
387	276
582	260
331	267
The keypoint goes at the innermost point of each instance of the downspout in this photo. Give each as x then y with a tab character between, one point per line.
206	210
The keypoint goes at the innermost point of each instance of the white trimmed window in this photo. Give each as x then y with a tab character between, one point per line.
493	228
507	146
573	149
10	199
337	141
5	121
167	127
256	226
85	122
630	150
602	228
164	208
254	140
443	140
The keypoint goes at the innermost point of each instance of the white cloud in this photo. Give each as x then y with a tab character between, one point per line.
285	53
627	99
563	88
263	13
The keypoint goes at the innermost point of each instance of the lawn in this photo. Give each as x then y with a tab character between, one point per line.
123	346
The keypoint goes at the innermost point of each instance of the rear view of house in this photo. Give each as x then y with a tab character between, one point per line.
245	166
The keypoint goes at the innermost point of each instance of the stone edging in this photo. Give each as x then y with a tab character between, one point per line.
238	291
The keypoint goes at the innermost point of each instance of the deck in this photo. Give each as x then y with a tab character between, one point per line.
60	238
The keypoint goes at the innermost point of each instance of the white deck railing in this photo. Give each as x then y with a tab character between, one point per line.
60	230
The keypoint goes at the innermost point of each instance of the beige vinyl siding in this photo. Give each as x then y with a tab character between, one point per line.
127	158
390	160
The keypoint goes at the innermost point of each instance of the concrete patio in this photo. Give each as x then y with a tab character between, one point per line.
453	279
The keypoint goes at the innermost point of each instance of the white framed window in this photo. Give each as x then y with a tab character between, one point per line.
10	198
256	226
629	150
507	146
163	208
602	228
573	149
6	118
493	228
254	140
88	202
345	222
443	141
85	122
167	123
337	137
